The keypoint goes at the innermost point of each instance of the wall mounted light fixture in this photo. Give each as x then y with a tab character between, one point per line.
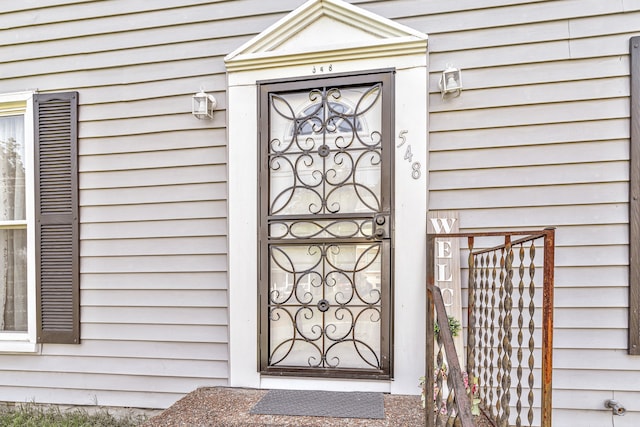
202	105
450	81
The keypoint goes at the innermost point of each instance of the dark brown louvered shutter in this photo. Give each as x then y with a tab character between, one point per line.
56	206
634	201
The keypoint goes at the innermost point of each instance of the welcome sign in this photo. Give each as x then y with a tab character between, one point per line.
447	268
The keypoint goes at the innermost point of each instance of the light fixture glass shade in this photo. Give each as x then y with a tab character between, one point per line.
202	105
451	81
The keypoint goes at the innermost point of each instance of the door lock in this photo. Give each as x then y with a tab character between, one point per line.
381	227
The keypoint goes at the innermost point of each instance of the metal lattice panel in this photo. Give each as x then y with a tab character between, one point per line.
509	331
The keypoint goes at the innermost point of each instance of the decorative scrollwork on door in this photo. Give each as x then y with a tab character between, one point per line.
326	227
324	306
324	158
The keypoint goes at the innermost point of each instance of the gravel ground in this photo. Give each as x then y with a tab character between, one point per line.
229	407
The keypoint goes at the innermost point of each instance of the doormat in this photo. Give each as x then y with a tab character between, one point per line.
321	404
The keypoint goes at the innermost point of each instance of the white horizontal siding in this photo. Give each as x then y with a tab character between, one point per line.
156	89
523	115
201	138
497	36
154	229
581	417
595	359
140	349
158	35
143	58
544	154
130	366
107	382
508	75
66	22
569	194
580	235
548	134
569	91
408	7
593	255
503	55
592	276
130	75
182	120
155	194
609	24
543	216
530	175
591	317
155	332
157	176
153	263
145	107
154	298
153	211
17	7
590	297
489	14
200	280
155	246
23	14
145	159
187	315
582	379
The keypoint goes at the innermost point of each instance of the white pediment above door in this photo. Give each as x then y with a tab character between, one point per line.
331	30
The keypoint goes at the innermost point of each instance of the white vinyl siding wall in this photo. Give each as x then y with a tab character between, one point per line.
152	193
539	137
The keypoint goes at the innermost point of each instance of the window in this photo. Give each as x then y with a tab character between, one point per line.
16	222
311	118
634	202
38	220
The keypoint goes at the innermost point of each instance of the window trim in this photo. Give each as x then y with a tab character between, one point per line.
25	341
634	200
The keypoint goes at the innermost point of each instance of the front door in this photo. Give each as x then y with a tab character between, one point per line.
326	226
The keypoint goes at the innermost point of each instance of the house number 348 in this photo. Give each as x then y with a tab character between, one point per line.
408	155
321	68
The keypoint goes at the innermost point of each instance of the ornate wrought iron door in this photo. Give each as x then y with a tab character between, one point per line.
326	226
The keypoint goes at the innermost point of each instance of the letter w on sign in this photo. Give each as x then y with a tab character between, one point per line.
443	225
